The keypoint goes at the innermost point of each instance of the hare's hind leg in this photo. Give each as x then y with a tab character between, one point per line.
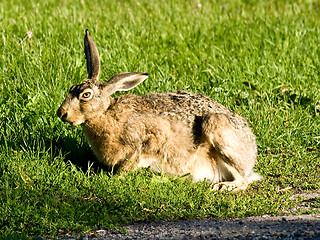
235	149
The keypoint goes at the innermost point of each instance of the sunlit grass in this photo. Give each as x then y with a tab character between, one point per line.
258	58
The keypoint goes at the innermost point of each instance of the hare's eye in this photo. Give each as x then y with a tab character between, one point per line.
87	95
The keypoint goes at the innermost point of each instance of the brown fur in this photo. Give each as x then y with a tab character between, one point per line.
176	132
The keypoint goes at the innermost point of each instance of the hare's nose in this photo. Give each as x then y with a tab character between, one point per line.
64	117
62	113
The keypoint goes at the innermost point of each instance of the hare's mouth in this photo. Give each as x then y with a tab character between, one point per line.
75	123
72	123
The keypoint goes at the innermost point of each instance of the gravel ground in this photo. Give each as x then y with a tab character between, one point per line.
259	227
263	227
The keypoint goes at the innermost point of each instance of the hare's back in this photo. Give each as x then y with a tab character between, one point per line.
183	104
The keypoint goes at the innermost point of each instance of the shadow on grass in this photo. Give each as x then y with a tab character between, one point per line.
80	155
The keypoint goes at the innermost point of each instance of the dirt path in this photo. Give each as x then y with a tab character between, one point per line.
259	227
263	227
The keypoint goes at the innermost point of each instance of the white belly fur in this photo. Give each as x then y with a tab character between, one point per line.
199	167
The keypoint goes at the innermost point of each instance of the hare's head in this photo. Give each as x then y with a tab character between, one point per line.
92	97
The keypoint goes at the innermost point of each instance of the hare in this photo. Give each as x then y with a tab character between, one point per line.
176	132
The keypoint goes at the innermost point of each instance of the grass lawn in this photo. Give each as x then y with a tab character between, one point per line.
259	58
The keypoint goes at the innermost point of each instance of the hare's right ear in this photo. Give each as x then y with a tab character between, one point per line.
92	56
125	81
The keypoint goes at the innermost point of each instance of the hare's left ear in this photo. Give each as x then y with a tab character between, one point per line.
124	81
92	56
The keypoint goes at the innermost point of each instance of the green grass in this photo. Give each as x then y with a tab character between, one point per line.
259	58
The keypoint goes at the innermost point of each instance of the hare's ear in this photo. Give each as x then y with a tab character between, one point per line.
92	56
125	81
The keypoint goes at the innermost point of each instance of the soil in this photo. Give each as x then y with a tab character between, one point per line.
258	227
262	227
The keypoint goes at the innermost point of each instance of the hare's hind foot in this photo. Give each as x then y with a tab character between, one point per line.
233	186
238	184
233	181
